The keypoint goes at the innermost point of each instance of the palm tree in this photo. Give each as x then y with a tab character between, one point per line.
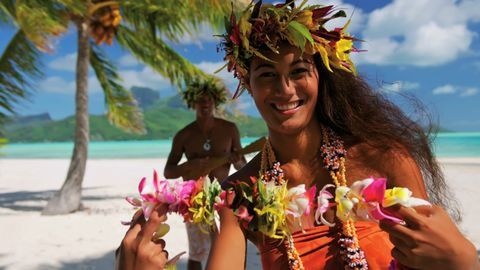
141	27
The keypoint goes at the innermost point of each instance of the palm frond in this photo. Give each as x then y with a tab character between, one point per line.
123	110
7	11
41	20
19	65
159	56
78	8
174	19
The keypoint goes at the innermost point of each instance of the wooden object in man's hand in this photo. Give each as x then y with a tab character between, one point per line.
215	162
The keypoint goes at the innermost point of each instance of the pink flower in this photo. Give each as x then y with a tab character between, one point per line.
185	193
373	192
298	201
323	204
243	215
176	194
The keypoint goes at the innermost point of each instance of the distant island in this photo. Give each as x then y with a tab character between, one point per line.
163	118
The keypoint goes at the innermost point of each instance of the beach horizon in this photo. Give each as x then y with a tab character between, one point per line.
87	239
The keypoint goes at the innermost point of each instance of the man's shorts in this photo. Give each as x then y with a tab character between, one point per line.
198	243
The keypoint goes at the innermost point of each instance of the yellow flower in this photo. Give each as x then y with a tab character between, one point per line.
396	195
344	203
344	46
305	18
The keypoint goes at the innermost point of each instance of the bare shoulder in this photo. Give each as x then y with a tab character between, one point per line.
244	174
225	124
379	158
396	164
185	131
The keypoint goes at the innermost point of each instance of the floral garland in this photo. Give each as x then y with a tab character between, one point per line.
211	86
266	204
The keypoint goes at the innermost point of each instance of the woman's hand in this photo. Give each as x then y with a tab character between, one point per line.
429	240
140	249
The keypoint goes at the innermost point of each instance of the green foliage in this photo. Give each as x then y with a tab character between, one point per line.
19	65
7	10
161	122
123	109
40	20
158	55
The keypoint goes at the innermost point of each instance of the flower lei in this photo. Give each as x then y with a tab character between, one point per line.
266	204
265	26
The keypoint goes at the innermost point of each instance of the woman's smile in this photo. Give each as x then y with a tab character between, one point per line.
287	108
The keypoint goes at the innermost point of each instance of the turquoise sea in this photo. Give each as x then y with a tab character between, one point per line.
445	145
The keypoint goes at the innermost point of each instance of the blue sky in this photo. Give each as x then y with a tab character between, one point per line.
428	48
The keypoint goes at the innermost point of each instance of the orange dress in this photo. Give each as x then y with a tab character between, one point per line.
318	248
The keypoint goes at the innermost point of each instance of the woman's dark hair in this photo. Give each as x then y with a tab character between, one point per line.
352	108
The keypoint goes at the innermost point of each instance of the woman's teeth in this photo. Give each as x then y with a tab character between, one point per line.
288	106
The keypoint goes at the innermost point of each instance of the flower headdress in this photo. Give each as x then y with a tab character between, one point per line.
264	27
211	86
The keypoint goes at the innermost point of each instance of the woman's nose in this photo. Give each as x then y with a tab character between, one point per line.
285	86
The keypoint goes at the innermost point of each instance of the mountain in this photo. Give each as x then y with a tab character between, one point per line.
28	120
145	96
163	118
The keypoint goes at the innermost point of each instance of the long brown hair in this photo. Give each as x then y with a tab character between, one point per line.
348	105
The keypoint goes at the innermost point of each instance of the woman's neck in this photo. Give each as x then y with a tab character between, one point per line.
302	147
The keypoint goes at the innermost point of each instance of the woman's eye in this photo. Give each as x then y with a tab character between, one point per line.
267	74
299	71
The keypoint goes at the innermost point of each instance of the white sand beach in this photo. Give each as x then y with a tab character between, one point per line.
87	239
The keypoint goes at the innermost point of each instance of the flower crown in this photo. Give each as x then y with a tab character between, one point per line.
264	27
211	86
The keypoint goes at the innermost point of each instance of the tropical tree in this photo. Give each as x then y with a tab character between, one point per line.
141	27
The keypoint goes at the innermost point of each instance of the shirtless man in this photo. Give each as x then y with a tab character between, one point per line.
205	137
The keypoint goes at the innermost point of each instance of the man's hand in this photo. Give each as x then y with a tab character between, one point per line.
196	168
236	159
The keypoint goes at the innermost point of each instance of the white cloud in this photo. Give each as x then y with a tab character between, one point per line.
144	78
419	32
243	105
59	85
445	89
452	89
227	77
203	34
128	60
67	62
400	86
469	92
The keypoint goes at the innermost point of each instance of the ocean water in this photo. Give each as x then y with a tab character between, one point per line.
445	145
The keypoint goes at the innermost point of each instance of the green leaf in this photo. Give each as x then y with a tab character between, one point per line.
300	33
159	56
20	65
123	110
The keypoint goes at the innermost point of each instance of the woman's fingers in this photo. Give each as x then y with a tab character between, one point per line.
398	231
152	224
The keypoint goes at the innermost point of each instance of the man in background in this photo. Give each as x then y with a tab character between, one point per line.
205	138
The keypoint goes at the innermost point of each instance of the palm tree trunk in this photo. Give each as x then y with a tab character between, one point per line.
68	199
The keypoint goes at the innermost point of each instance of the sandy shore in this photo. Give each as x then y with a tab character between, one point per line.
87	239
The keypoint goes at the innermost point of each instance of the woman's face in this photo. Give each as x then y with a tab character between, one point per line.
285	91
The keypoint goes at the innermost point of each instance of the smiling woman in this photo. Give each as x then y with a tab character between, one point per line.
327	130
